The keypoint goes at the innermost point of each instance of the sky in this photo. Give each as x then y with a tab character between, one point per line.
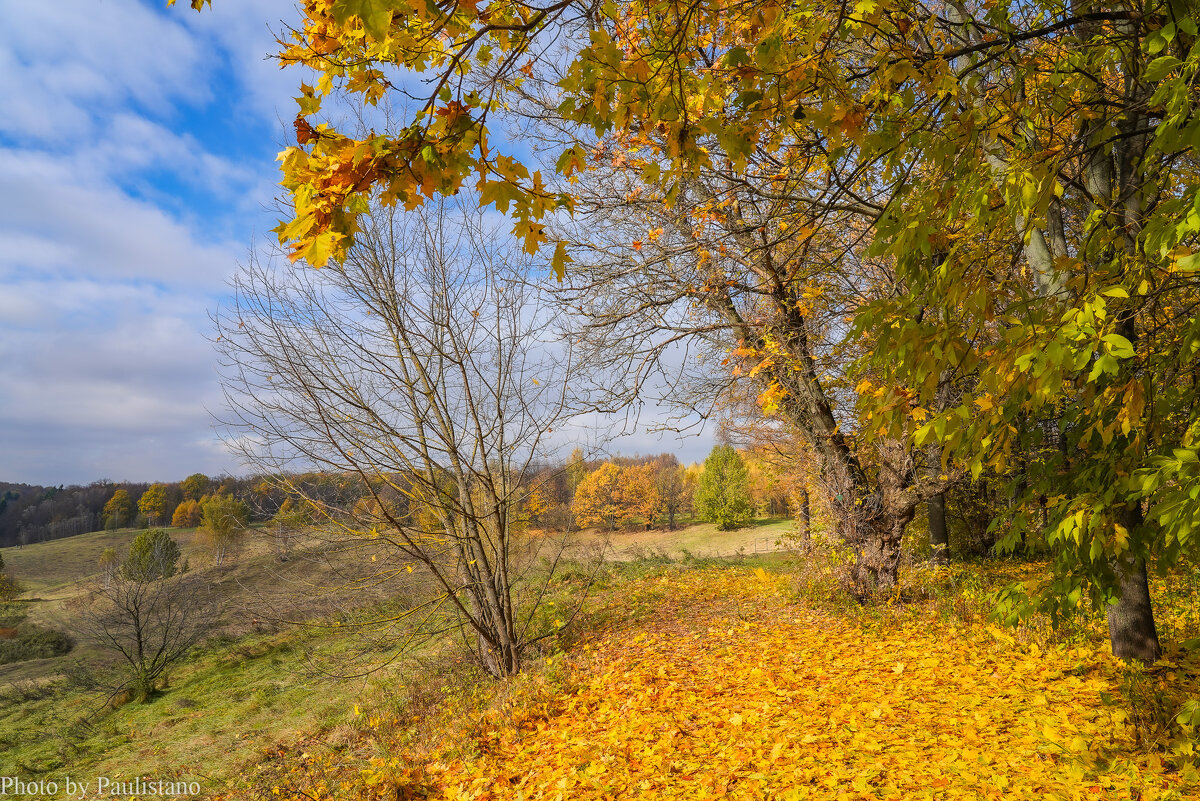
137	170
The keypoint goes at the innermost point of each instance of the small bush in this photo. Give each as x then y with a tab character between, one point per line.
34	642
12	614
1162	706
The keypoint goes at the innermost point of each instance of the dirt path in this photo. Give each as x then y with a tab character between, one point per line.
734	692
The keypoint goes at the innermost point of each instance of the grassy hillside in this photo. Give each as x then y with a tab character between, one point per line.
699	539
687	677
261	684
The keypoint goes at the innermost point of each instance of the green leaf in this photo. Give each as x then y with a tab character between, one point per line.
376	15
1160	67
1119	346
737	56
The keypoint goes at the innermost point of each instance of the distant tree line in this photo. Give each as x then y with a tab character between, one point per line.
30	513
620	492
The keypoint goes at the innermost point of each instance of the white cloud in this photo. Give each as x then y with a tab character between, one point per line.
120	373
121	218
65	227
66	62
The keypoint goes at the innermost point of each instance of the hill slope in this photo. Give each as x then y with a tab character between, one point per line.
718	685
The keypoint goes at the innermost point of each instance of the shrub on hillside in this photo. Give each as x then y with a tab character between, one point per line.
153	555
34	642
9	589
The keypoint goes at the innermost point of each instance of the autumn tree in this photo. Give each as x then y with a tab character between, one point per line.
639	493
616	495
429	326
186	515
195	486
153	503
292	516
576	471
119	510
598	498
673	490
723	491
223	518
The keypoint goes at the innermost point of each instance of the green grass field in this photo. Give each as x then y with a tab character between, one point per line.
261	687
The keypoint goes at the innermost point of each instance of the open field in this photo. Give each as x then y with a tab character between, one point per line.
255	589
698	539
48	568
685	676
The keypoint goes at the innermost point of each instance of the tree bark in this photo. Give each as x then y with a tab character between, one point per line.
1131	627
878	565
939	540
805	517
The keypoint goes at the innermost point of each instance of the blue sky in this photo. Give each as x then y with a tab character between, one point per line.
137	168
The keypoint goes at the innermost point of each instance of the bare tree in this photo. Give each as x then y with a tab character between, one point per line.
759	288
424	367
149	617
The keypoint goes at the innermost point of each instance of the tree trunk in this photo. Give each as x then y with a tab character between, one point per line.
498	662
1131	628
877	567
939	540
805	517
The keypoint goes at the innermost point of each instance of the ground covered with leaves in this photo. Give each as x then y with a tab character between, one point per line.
723	683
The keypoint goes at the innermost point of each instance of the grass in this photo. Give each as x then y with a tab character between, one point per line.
698	539
254	691
265	707
237	701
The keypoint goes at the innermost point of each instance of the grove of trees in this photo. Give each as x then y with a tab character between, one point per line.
945	243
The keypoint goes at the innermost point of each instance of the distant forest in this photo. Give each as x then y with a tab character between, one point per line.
31	513
648	490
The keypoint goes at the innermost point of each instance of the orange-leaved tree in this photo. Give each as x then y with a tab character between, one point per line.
1021	176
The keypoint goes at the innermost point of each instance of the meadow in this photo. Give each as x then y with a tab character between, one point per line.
685	675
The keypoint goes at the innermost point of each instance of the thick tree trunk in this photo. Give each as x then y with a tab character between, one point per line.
878	564
1131	628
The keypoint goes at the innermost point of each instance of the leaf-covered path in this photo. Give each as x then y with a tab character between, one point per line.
731	691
